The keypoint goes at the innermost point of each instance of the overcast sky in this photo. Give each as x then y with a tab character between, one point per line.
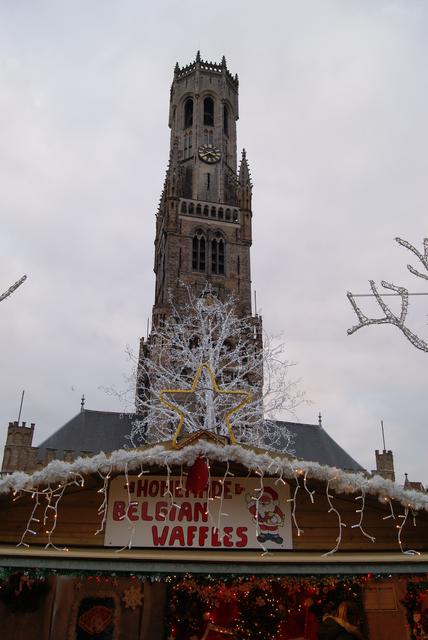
333	114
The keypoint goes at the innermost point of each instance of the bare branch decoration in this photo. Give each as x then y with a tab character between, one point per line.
389	316
12	288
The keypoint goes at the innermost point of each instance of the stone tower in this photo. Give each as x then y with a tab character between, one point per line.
203	224
19	452
385	464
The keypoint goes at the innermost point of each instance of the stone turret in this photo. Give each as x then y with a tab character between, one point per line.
18	451
385	464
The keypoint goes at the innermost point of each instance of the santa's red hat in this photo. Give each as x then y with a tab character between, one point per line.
269	495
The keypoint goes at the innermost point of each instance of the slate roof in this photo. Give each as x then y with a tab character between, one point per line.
93	431
312	442
89	432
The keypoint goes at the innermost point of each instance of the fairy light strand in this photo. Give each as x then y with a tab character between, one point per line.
341	524
21	543
359	524
400	527
102	509
131	527
293	501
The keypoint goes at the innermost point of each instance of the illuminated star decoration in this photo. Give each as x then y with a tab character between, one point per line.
247	398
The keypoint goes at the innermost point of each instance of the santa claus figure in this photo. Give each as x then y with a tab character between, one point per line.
267	514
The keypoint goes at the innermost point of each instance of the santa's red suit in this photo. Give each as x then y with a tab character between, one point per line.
268	515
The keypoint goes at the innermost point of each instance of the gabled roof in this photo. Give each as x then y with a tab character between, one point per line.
312	442
92	431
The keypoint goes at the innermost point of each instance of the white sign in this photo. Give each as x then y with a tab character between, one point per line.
231	513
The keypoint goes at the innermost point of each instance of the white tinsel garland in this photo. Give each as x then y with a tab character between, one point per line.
273	465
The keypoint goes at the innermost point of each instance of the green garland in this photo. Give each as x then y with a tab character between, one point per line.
37	572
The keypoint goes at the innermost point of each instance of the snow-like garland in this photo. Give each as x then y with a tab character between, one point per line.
272	465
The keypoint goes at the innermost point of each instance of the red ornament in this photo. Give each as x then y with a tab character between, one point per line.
197	478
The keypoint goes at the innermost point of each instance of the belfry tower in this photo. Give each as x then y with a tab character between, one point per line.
203	224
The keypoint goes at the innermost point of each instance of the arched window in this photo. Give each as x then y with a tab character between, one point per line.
183	207
226	120
220	213
209	112
188	113
191	208
228	215
206	209
198	252
217	256
198	209
213	212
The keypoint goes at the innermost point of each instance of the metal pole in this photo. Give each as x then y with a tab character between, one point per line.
383	435
20	406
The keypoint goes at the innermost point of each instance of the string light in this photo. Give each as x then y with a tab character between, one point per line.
102	509
341	524
131	503
392	514
400	527
35	496
293	501
359	524
48	495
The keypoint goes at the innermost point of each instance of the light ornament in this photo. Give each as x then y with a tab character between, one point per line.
359	524
341	524
12	288
400	527
389	316
248	396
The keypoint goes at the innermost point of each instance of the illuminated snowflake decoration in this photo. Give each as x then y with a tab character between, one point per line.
133	597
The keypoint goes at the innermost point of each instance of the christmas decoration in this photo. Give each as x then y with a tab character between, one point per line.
416	603
251	608
390	317
95	617
204	349
47	486
198	475
22	591
133	597
209	401
12	288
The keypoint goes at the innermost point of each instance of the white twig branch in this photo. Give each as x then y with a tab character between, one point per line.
390	317
12	288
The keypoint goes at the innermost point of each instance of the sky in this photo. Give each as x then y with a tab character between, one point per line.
333	106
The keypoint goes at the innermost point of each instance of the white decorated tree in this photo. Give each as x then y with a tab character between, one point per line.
203	336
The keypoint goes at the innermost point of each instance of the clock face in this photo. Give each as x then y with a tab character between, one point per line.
209	153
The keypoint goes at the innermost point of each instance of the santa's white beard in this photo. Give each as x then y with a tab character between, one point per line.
266	508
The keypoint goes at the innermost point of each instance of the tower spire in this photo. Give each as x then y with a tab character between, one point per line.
245	186
244	178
